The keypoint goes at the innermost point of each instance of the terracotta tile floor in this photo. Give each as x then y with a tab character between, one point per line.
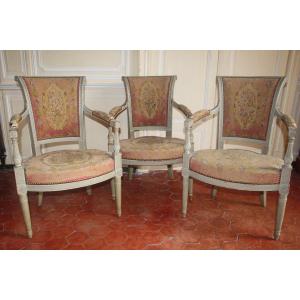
151	218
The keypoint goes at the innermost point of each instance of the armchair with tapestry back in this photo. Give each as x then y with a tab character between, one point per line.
149	104
55	108
246	110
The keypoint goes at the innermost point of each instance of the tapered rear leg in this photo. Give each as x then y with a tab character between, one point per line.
130	172
263	199
40	198
170	172
214	192
89	190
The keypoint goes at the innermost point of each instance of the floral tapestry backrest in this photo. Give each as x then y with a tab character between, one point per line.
248	105
149	100
55	106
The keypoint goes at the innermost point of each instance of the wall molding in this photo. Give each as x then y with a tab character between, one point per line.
7	76
96	73
8	112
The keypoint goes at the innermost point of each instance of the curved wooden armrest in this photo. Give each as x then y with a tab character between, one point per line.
182	108
117	110
17	119
199	115
99	116
287	120
288	157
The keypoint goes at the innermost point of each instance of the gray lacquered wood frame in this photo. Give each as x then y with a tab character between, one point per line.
23	187
282	187
168	129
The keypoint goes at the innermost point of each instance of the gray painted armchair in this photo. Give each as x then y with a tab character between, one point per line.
246	108
55	107
149	103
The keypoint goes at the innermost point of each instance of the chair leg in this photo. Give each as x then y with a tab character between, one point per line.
113	188
185	191
170	172
130	172
263	199
89	190
40	198
118	195
280	214
26	213
191	188
214	192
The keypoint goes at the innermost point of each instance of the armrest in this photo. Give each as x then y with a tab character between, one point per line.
200	114
183	109
288	121
288	156
117	110
99	116
17	119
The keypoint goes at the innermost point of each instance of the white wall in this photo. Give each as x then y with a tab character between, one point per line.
195	86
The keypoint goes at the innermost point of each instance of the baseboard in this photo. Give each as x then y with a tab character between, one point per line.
6	167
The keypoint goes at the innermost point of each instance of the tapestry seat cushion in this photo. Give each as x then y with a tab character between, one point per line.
152	148
241	166
67	166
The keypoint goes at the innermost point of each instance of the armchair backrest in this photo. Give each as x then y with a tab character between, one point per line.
149	100
247	108
55	106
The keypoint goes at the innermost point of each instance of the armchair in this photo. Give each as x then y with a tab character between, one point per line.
246	109
149	103
55	107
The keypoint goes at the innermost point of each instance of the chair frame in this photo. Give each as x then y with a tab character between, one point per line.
16	123
282	187
116	111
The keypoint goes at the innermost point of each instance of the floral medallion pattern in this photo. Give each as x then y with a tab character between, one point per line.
67	166
149	100
247	106
55	106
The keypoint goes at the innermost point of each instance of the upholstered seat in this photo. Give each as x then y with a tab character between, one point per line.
152	148
235	165
67	166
